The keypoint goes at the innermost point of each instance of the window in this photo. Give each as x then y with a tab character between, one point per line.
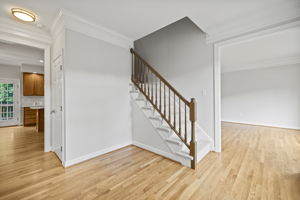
7	101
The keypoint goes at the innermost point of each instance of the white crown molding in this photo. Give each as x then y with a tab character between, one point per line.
272	16
58	25
276	62
221	36
25	31
68	20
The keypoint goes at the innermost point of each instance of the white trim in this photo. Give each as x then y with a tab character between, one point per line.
262	124
217	70
24	31
38	43
240	29
64	143
260	33
217	147
155	150
95	154
276	62
47	99
57	26
68	20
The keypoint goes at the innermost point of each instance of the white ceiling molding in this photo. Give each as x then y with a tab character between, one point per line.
68	20
276	62
224	36
25	31
259	34
273	16
58	25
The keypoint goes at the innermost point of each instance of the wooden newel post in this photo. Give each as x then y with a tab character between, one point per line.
193	144
132	64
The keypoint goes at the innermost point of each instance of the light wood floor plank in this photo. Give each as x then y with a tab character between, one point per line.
256	163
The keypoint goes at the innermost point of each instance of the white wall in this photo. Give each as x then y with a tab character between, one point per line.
97	110
9	72
269	96
179	52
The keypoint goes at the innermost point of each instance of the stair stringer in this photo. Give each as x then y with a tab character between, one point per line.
148	132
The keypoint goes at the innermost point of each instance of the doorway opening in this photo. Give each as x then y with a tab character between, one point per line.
41	66
256	84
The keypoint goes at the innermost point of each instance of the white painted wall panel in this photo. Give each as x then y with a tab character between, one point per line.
97	77
269	96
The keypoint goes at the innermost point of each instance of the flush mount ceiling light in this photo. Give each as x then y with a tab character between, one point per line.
23	15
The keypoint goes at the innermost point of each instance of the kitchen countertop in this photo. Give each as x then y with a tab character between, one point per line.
36	107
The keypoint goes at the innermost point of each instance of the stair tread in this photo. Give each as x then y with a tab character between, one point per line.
155	117
140	99
185	154
166	126
147	107
134	91
164	129
174	140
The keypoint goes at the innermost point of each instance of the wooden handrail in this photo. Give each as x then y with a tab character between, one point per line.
159	76
157	90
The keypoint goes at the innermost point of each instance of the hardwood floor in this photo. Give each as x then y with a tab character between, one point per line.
256	163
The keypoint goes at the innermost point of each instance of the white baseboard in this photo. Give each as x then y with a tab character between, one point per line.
48	149
95	154
155	150
262	124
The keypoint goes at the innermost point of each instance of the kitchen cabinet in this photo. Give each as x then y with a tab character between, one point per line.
29	117
34	117
33	84
40	120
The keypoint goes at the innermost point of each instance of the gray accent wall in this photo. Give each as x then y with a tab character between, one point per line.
180	53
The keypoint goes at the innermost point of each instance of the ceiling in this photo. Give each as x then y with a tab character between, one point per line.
15	54
277	49
137	18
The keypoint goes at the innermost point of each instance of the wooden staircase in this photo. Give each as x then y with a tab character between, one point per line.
175	115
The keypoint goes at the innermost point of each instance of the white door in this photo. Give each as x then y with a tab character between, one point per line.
9	115
56	111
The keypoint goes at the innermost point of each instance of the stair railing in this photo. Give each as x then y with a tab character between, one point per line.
167	101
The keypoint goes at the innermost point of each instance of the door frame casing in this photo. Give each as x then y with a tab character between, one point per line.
217	69
61	57
32	42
